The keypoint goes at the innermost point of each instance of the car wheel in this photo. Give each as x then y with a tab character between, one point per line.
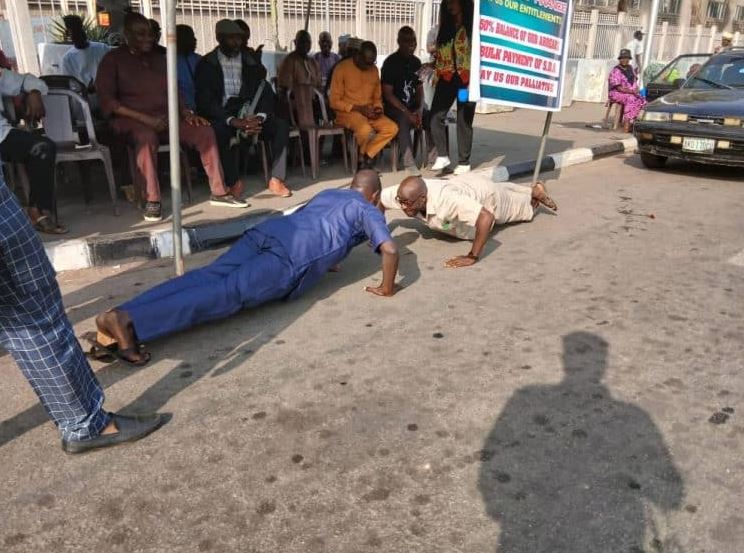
652	161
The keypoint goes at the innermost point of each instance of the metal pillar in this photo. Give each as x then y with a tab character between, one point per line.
174	118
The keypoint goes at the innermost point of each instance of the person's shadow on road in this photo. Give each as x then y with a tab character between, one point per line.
569	469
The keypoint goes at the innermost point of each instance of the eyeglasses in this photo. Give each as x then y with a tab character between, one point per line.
403	201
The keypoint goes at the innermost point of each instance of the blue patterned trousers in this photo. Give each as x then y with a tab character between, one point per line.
37	333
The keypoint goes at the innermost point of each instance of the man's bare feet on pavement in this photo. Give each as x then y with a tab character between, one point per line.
114	326
278	187
540	196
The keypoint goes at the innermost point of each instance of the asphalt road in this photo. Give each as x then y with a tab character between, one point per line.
577	391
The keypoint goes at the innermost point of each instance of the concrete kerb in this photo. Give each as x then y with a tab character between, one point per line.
68	255
563	159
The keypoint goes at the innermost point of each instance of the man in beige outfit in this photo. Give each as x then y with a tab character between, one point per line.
466	207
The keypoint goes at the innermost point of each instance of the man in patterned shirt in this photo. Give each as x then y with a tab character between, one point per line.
229	79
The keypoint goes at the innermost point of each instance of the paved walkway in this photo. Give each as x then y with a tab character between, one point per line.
499	139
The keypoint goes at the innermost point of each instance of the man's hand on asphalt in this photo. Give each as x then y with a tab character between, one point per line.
460	261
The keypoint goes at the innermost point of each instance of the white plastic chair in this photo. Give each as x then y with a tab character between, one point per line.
59	127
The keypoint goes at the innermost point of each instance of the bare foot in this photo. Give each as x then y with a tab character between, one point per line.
117	327
540	196
278	187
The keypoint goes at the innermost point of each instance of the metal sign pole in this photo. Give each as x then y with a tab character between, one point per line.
174	118
541	151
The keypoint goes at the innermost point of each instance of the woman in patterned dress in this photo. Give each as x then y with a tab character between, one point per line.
624	89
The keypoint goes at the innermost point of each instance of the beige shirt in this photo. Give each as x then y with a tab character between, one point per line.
452	207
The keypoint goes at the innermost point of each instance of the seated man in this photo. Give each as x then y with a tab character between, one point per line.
466	207
187	61
326	58
301	74
82	60
356	97
281	258
131	86
36	153
230	81
403	93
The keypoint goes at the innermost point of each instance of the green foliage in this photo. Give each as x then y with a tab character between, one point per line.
59	32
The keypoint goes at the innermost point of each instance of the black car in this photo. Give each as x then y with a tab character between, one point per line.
702	120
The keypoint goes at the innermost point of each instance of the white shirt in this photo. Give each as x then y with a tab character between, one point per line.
83	64
636	48
13	84
232	70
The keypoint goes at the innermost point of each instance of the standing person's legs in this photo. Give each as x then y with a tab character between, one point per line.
465	116
144	142
275	131
202	139
37	333
37	154
385	130
404	135
445	94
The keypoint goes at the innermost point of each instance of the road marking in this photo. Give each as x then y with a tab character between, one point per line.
738	259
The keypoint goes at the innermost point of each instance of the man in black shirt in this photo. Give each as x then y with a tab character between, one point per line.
403	92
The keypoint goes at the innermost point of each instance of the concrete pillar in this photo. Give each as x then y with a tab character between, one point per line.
423	28
662	41
281	39
737	38
91	8
591	40
19	18
146	6
698	35
618	43
712	41
685	16
360	28
64	7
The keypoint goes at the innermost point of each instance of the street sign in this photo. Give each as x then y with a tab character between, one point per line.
520	49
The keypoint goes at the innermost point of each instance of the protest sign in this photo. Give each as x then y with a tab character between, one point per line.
519	52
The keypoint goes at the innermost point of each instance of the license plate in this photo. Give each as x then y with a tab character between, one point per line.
699	145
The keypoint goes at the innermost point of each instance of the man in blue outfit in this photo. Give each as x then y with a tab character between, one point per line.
280	258
37	333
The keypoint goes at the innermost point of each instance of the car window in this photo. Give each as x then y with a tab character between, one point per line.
721	72
680	68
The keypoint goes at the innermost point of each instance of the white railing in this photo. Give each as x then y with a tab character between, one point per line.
594	34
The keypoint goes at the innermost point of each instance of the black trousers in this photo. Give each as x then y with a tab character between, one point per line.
275	131
444	94
37	154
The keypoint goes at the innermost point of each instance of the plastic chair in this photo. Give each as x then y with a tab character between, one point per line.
327	128
255	141
61	128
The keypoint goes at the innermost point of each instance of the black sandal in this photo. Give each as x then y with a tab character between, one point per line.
104	348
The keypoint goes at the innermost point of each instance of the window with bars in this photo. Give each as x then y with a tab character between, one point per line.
669	7
739	14
716	11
